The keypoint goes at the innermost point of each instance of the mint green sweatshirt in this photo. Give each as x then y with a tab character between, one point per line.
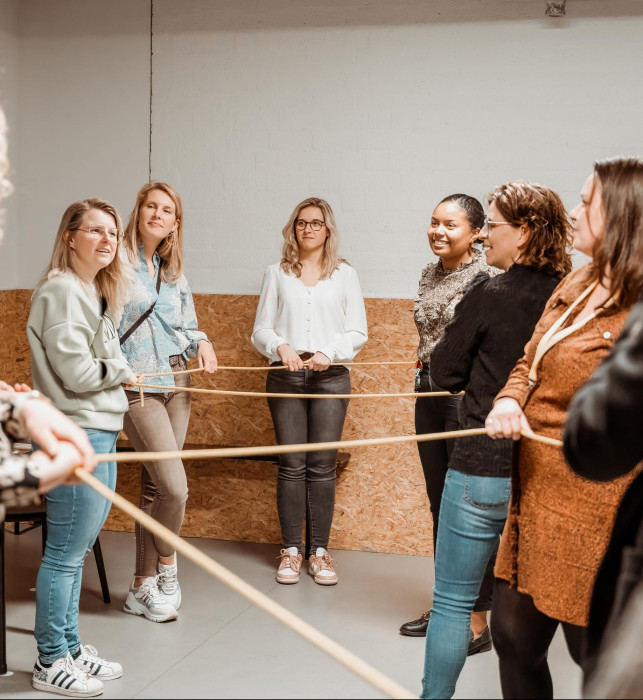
76	357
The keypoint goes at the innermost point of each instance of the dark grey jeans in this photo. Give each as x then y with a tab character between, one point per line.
306	480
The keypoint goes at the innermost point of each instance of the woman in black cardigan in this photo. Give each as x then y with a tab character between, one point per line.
527	234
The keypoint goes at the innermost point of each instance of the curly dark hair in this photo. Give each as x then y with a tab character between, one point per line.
618	253
470	206
543	213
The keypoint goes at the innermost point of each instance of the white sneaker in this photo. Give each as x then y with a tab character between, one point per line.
168	582
65	678
147	600
89	661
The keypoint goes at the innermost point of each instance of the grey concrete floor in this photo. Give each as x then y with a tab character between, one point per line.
224	647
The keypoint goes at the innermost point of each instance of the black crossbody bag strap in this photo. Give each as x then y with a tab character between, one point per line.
140	320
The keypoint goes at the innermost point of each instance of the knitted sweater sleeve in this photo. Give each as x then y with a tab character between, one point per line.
453	356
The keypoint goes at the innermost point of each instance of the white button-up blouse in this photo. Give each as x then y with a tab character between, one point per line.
329	317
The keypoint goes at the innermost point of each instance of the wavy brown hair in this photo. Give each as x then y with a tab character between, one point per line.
170	249
290	251
618	253
113	283
543	213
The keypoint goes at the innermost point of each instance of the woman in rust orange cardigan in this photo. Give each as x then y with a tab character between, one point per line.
559	524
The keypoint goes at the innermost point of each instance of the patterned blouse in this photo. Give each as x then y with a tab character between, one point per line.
439	292
18	474
171	329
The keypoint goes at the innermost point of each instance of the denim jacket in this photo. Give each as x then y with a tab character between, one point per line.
171	328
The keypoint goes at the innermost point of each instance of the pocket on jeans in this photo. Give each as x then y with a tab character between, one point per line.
487	492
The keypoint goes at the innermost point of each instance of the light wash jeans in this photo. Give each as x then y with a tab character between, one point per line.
75	516
472	516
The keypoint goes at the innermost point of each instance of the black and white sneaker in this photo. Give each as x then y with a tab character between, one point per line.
65	678
89	661
167	579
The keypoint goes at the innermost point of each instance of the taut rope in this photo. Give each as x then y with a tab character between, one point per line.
223	452
267	394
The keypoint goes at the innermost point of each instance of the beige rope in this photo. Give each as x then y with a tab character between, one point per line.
325	643
263	394
269	368
227	452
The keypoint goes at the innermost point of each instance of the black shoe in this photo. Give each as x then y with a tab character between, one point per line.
480	644
416	628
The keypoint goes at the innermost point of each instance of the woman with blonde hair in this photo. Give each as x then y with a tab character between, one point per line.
158	333
76	361
559	524
310	315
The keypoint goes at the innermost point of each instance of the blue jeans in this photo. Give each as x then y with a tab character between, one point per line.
472	516
75	516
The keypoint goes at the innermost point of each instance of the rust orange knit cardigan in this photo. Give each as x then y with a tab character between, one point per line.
559	524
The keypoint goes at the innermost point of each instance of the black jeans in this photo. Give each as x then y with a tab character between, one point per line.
306	480
437	415
522	636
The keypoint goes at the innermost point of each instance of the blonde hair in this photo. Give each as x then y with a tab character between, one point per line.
113	281
5	185
290	250
170	249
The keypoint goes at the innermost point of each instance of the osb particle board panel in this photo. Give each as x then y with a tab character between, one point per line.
381	501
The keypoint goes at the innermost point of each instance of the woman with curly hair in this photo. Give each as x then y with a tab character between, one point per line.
559	524
310	314
526	234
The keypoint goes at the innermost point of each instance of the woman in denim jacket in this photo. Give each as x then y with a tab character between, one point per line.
159	332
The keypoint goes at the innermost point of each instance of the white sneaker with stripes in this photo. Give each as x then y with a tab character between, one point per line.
89	661
167	579
63	677
148	601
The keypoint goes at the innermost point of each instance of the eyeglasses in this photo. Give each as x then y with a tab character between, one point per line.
98	232
488	224
315	225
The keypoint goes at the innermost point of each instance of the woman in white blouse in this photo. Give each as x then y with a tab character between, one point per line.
310	315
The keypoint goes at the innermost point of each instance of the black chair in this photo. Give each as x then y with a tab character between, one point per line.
36	515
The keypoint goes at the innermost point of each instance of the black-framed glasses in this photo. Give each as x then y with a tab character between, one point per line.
315	224
98	232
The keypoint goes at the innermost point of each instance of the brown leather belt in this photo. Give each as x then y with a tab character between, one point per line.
305	355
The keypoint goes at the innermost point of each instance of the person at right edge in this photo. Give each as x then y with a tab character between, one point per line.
527	235
559	525
603	441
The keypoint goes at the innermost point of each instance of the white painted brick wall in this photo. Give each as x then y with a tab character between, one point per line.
380	107
382	120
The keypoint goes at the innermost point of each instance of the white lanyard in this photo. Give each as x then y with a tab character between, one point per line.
554	335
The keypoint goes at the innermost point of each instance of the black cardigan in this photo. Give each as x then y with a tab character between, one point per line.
479	348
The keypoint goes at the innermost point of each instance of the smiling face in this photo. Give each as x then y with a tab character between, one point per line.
94	243
308	239
451	236
156	217
588	217
502	241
